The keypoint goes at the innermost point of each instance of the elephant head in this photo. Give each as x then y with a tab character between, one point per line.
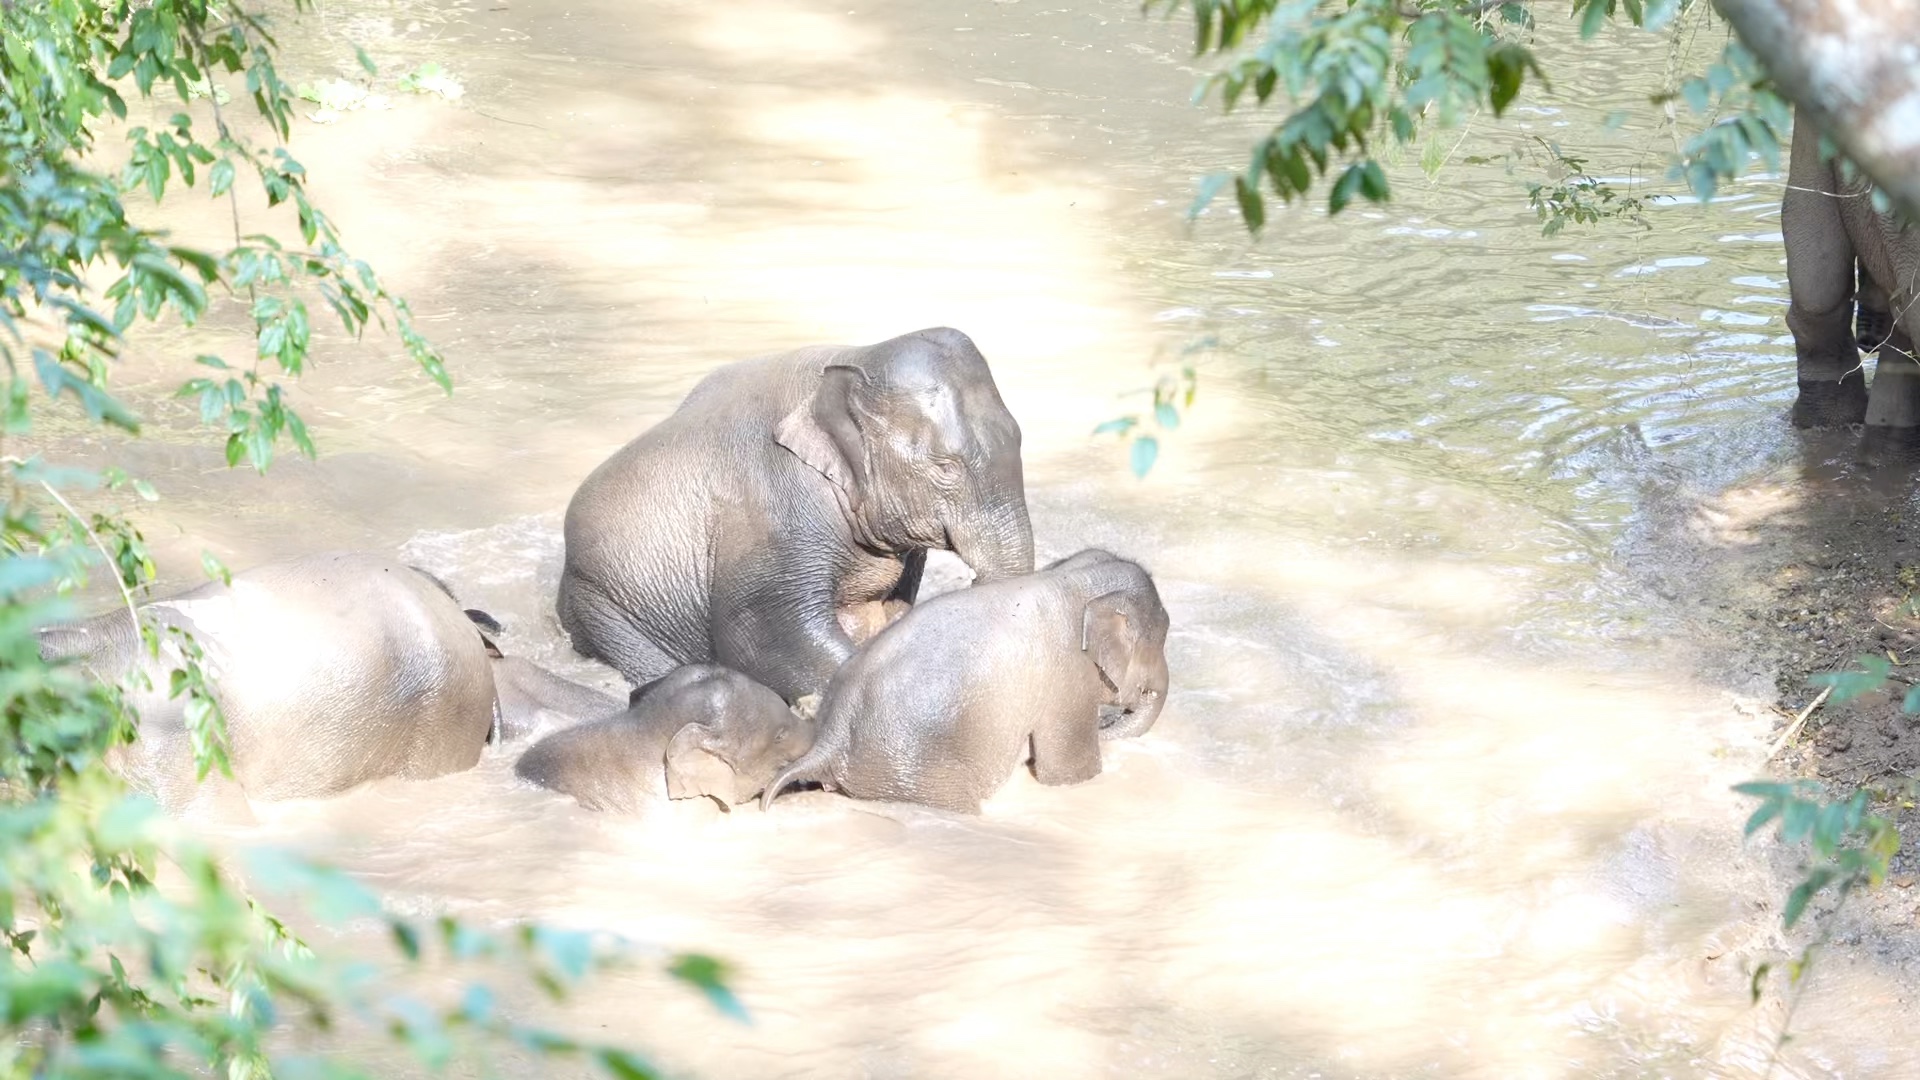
1123	632
737	734
913	434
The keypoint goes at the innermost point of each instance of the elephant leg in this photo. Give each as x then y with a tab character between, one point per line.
531	697
1066	753
791	644
1820	278
1893	409
598	630
1873	315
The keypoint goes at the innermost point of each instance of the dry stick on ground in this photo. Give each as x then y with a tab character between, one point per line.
1798	722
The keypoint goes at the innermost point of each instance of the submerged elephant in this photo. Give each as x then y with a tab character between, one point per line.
700	730
330	670
940	707
1842	255
787	506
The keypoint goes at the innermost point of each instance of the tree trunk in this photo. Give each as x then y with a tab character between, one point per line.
1854	67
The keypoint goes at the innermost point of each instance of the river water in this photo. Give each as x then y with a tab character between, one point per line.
1441	788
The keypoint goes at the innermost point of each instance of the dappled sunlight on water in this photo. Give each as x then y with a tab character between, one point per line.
1439	790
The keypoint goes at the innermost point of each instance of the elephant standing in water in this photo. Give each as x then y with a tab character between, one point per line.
698	731
940	707
331	670
786	509
1842	254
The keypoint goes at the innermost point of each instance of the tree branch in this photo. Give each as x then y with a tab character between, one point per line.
1854	67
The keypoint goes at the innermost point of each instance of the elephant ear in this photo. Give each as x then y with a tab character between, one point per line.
825	430
1108	629
694	769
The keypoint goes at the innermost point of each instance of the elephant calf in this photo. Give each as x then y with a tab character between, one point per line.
700	730
940	707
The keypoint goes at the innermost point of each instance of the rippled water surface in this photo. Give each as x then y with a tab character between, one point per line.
1440	790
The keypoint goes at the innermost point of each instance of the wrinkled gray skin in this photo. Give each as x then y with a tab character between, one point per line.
940	707
331	670
1841	255
700	730
784	511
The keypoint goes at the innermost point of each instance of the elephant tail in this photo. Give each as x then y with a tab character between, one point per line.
810	766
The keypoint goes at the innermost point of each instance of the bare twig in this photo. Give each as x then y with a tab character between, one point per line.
125	593
1798	723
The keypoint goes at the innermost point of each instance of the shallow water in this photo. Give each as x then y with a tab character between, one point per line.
1441	789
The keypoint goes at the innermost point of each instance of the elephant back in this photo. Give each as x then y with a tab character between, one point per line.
342	668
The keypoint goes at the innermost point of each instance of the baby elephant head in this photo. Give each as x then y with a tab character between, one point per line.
735	737
1123	631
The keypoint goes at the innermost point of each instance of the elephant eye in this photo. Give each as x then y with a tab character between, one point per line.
947	470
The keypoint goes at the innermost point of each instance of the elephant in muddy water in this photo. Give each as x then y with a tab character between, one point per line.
1852	274
330	670
698	731
940	707
784	511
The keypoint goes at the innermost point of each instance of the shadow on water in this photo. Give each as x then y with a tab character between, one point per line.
1441	790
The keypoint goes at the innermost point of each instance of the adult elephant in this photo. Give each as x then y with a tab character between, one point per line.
330	670
1843	256
785	510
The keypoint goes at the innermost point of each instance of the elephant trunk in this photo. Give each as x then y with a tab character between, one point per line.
995	546
808	766
1140	707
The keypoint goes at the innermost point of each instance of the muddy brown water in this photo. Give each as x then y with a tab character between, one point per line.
1441	788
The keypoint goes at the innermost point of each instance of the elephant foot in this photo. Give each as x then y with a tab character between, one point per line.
1882	447
1831	403
1893	408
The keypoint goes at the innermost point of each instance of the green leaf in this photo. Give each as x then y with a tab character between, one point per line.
1506	69
1594	17
201	262
1165	414
366	62
406	939
709	976
1767	812
1345	188
1119	426
1874	670
1210	186
215	569
624	1066
1253	209
1146	449
1798	819
220	177
1800	897
1911	703
1373	182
